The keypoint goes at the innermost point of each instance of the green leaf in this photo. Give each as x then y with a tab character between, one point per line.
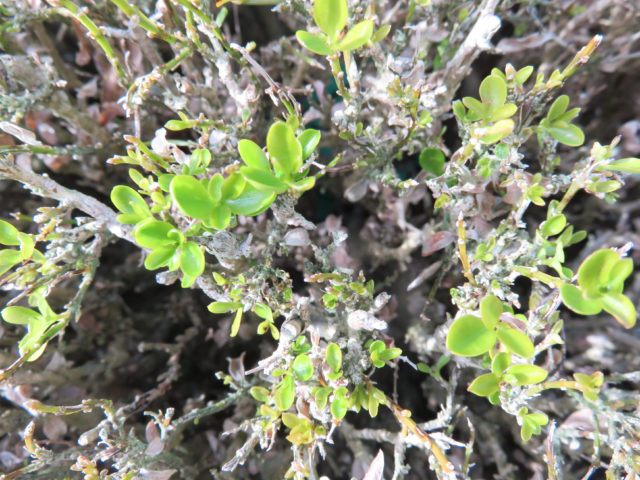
191	259
220	217
523	74
618	274
321	396
20	315
253	155
235	325
302	367
500	362
8	258
558	107
573	299
191	197
356	37
476	109
381	33
304	184
493	91
160	257
607	186
621	308
264	180
468	337
330	16
27	245
309	140
432	160
9	233
259	394
516	341
223	307
128	201
497	131
567	134
627	165
214	188
527	374
502	112
251	201
339	408
200	157
316	43
284	149
153	234
595	270
233	186
263	311
485	385
490	309
333	356
285	393
553	226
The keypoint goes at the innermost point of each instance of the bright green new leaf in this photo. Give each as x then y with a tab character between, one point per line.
309	140
322	395
333	356
468	337
200	157
627	165
284	149
251	201
215	188
235	325
191	259
285	393
595	270
9	233
153	234
567	134
160	257
315	43
604	187
553	226
330	16
620	307
516	341
253	155
264	180
558	107
191	197
493	91
572	297
485	385
500	362
490	309
497	131
302	367
339	408
432	160
20	315
220	217
618	274
260	394
27	245
523	74
129	202
8	258
304	184
233	186
527	374
356	37
223	307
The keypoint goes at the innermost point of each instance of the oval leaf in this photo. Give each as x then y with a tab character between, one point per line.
284	149
263	180
191	197
309	140
621	308
357	36
491	309
302	367
154	233
315	43
9	234
573	299
516	341
567	134
330	16
333	356
527	374
159	257
251	201
468	337
191	259
493	91
20	315
595	270
485	385
253	155
432	160
8	258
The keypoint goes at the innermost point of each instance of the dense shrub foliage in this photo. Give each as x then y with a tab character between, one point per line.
319	239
